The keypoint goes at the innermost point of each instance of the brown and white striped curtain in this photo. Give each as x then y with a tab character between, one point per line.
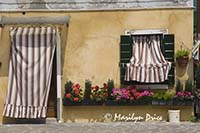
147	64
30	70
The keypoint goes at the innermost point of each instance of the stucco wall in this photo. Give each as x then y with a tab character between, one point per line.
90	44
14	5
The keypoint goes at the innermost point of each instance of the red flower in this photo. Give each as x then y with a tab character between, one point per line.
96	95
104	85
68	95
96	87
106	94
77	86
76	99
76	92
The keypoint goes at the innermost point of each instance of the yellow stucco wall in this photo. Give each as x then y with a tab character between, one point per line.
90	44
99	113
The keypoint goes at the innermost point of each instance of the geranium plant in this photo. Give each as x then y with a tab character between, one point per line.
99	94
186	95
131	95
73	93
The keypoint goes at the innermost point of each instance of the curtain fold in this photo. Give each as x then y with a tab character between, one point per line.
30	70
147	63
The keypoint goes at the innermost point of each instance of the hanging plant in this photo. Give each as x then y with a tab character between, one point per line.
182	57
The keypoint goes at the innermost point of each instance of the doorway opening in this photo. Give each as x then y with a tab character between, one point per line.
52	100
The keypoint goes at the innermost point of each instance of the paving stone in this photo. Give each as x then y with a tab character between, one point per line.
116	127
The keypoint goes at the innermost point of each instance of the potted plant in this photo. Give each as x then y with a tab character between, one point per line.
182	57
124	96
88	85
183	98
146	97
73	94
130	96
110	86
179	86
163	98
99	95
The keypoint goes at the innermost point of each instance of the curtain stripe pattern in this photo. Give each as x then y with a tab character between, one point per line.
147	63
30	70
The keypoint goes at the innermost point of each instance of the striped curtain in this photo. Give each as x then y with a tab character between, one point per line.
30	70
147	64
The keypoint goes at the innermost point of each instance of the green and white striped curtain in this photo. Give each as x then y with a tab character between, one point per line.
147	64
30	70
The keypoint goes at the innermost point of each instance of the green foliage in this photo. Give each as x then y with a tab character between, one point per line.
182	53
88	85
68	86
169	95
110	85
179	86
195	118
188	86
163	95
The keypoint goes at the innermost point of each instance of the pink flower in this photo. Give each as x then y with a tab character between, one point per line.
118	98
68	95
131	98
76	91
76	99
76	86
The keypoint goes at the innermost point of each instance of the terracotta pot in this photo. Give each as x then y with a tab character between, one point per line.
182	61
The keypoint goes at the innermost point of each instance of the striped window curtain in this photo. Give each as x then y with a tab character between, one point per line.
147	64
30	70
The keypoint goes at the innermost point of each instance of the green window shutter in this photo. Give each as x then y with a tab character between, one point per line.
168	52
125	54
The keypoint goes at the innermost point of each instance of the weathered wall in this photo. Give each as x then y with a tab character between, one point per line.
101	113
90	45
13	5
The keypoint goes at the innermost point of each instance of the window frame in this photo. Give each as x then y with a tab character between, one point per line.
163	85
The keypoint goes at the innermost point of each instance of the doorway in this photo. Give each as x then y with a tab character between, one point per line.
52	104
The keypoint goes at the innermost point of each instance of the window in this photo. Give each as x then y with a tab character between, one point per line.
167	47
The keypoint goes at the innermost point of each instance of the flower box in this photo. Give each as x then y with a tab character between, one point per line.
162	102
71	103
181	102
117	103
90	102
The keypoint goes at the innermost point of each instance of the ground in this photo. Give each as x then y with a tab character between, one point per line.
124	127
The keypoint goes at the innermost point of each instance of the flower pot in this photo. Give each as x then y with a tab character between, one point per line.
155	102
71	103
174	115
162	102
182	61
179	102
188	102
111	103
169	102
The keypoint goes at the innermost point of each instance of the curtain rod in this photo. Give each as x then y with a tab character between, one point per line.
4	20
